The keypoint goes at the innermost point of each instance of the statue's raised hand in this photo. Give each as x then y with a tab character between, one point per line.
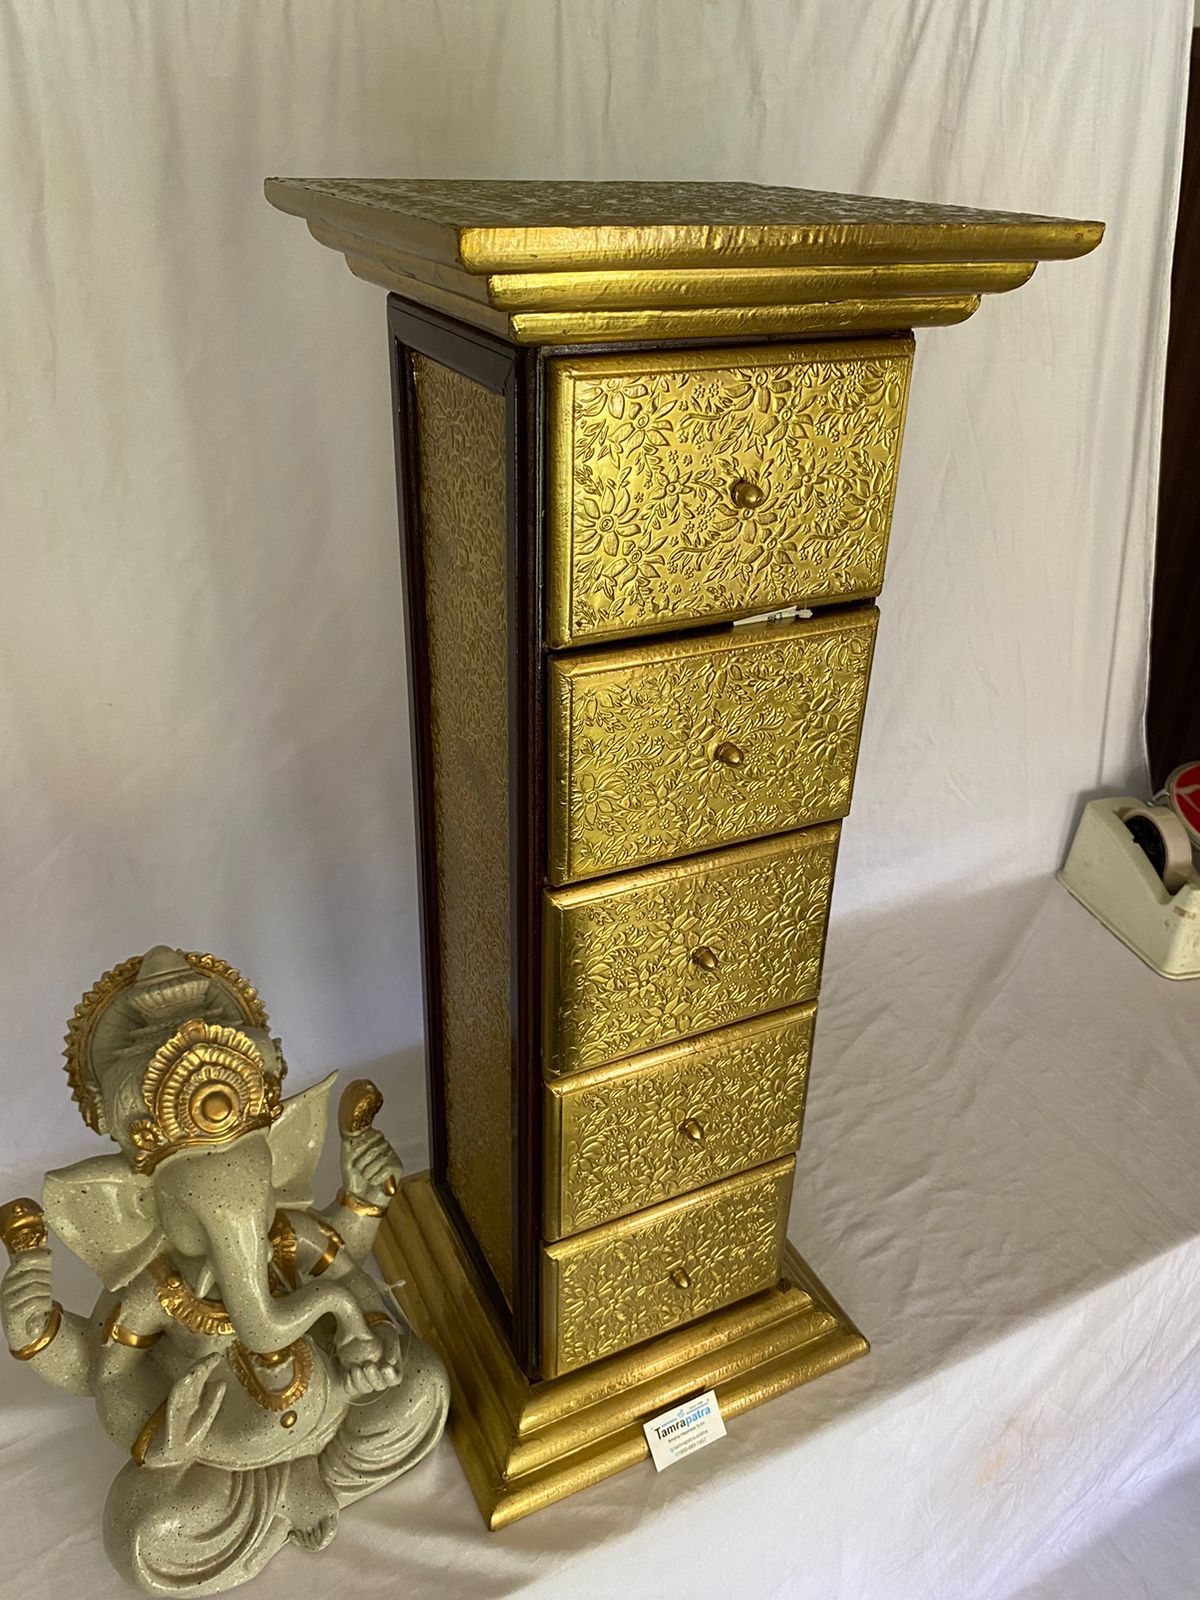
192	1407
26	1303
366	1372
27	1307
371	1169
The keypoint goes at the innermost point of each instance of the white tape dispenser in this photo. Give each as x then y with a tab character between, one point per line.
1133	866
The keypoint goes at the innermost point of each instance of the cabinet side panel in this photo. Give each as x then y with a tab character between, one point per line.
463	496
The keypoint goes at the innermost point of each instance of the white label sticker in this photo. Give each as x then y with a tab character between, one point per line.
789	614
684	1429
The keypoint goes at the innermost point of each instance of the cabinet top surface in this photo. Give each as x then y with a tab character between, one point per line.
551	262
487	226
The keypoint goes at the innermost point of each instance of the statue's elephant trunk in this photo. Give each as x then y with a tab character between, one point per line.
218	1204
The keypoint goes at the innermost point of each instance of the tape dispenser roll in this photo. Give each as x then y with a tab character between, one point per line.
1163	839
1182	791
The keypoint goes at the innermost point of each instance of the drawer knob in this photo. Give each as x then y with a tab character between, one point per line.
680	1277
705	958
728	754
693	1130
746	494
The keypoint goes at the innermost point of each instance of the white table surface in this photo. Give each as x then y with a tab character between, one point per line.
998	1181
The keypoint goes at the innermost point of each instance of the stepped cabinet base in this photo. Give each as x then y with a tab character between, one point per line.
524	1445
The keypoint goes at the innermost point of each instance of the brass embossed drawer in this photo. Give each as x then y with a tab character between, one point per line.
704	485
670	748
624	1137
648	957
614	1286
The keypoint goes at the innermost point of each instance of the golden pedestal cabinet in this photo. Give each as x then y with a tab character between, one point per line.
633	421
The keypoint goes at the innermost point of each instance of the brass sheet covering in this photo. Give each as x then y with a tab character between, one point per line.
651	956
653	457
460	430
708	287
549	262
539	295
525	1445
604	325
504	226
668	749
626	1136
617	1285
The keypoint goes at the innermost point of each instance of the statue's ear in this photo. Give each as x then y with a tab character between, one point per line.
296	1138
105	1212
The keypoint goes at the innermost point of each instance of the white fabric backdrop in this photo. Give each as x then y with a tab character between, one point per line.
202	704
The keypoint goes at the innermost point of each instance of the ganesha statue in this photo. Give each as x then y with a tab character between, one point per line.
255	1375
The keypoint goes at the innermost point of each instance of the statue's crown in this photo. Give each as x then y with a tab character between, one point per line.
206	1085
161	1053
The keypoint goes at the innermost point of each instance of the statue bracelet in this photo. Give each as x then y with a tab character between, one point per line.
47	1335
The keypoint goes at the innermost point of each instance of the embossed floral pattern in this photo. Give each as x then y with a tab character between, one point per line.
485	202
619	1289
621	973
461	446
636	774
623	1144
686	490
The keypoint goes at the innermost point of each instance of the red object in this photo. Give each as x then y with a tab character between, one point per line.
1183	791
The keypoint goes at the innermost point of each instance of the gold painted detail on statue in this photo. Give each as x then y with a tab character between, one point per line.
207	1085
212	973
334	1243
180	1301
668	749
639	960
627	1136
145	1437
714	484
360	1207
22	1226
359	1105
284	1249
627	1281
116	1332
247	1364
49	1333
209	1316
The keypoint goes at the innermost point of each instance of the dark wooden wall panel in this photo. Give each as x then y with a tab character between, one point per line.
1173	713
